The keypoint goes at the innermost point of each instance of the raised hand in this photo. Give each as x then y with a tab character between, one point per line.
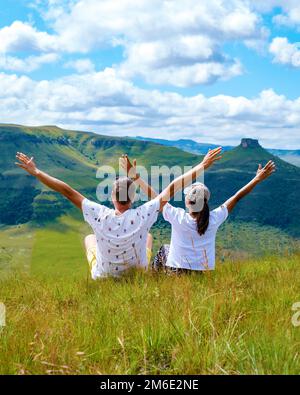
265	172
211	157
261	174
26	163
129	167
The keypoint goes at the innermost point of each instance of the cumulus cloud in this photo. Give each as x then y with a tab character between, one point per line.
285	52
91	22
20	36
287	12
103	102
290	15
164	42
26	65
183	61
177	43
81	65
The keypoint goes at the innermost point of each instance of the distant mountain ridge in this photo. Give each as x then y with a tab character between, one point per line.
189	145
74	157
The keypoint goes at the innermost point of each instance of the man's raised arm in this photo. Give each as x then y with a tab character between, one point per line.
64	189
131	172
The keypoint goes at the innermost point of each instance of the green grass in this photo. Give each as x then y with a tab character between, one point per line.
235	320
16	244
58	250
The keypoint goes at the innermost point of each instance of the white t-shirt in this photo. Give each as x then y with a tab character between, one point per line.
121	239
189	250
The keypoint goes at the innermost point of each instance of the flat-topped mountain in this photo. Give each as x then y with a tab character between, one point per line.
249	143
75	156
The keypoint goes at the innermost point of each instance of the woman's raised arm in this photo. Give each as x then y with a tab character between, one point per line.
262	174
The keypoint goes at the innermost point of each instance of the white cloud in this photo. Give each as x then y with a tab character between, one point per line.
290	15
287	11
20	36
182	61
178	43
91	22
24	38
285	52
103	102
26	65
165	41
81	65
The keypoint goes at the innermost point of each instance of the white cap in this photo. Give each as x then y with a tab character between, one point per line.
196	194
198	187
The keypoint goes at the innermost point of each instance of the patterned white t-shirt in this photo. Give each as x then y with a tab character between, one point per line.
189	250
121	239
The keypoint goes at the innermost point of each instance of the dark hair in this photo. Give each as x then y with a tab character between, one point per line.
124	190
202	218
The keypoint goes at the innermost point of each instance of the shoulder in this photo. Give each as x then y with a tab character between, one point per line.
88	206
152	205
219	215
171	212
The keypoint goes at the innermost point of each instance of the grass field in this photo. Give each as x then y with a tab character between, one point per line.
235	320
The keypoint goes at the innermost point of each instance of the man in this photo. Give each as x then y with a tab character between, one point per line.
120	238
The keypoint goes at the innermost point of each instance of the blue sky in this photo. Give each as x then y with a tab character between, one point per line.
213	71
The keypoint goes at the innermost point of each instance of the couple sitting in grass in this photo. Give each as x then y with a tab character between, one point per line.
121	238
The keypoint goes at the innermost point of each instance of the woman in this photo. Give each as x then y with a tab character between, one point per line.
192	246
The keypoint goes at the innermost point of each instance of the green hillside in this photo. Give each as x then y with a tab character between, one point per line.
74	157
274	202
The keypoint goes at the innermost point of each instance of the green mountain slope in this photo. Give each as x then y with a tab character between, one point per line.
274	202
74	157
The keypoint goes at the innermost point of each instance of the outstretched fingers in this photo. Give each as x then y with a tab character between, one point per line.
215	153
20	165
216	150
218	157
270	166
125	163
22	157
